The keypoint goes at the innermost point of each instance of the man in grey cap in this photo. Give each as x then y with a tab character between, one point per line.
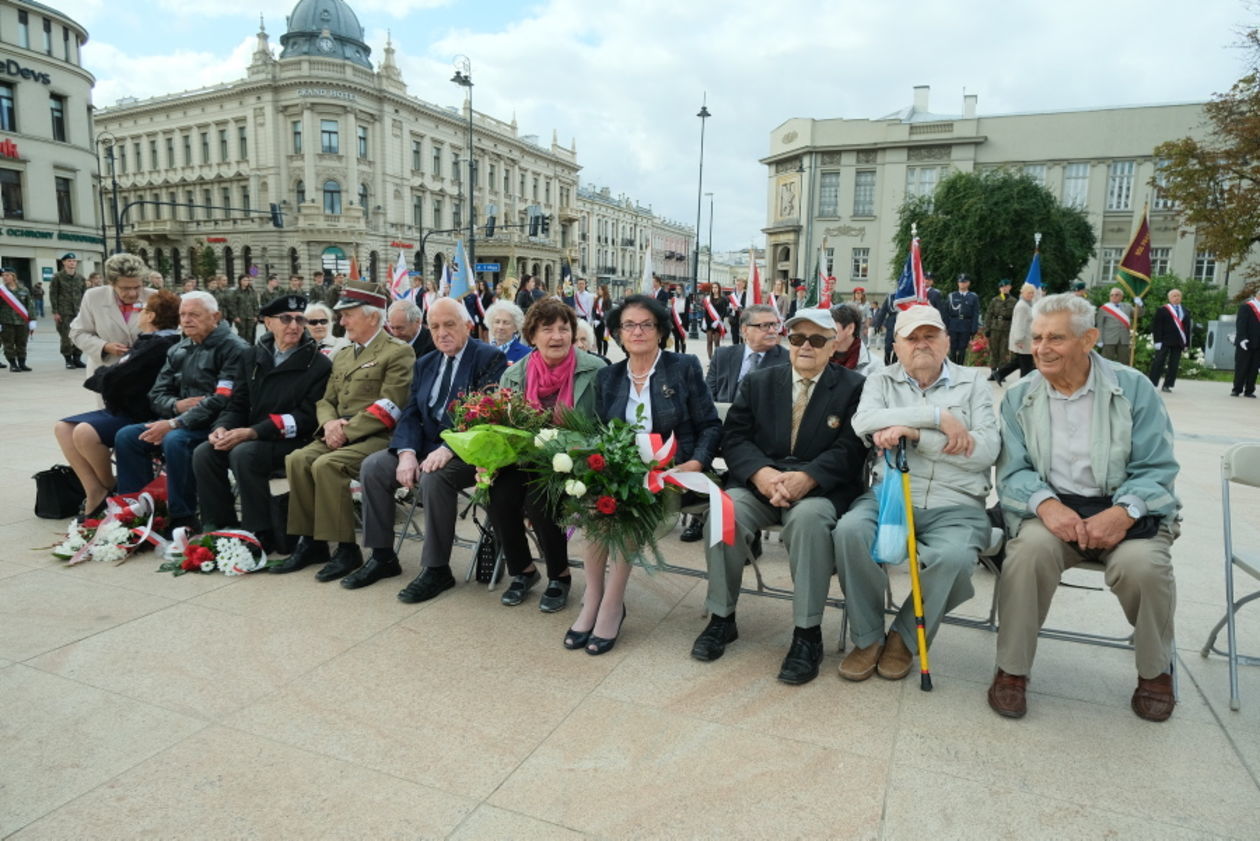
945	414
794	461
65	291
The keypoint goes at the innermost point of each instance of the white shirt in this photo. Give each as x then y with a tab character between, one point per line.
437	381
642	398
1071	416
585	302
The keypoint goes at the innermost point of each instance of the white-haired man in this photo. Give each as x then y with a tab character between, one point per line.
1086	474
405	322
193	387
1115	324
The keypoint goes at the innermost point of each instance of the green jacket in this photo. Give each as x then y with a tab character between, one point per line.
588	365
245	303
8	315
1131	442
64	293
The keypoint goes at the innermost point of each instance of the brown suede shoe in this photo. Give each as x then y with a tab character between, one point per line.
1006	695
859	664
896	659
1153	699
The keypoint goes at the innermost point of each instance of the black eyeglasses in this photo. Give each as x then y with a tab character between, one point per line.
287	319
315	321
815	341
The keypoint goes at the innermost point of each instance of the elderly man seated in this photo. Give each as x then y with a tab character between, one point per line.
945	413
1086	474
193	387
416	454
355	418
405	322
794	461
271	414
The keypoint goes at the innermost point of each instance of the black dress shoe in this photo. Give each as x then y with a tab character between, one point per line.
1166	390
305	553
602	645
344	561
70	366
802	661
78	361
573	640
372	571
694	530
520	586
430	583
556	596
711	644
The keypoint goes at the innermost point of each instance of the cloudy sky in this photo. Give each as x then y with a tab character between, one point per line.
625	78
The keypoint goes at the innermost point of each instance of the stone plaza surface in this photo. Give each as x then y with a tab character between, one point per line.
139	705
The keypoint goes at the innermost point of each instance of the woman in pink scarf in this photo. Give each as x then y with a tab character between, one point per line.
558	376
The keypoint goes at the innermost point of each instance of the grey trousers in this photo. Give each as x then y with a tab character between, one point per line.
1116	353
807	535
439	496
1139	572
949	541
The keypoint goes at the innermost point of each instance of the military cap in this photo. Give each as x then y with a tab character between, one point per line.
358	293
284	303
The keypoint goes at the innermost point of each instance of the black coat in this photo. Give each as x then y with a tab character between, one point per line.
758	432
1247	327
1164	328
278	401
723	376
125	385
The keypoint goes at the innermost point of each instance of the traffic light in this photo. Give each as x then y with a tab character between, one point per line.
277	217
489	226
535	222
546	225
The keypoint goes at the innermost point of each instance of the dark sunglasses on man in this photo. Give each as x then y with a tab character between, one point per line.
815	341
286	319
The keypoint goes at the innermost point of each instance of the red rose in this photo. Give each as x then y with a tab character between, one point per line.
596	462
189	564
606	505
91	524
197	554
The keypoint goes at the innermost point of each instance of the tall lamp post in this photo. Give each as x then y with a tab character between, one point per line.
110	141
463	78
708	278
703	114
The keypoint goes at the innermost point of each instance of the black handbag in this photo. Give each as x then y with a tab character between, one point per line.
58	493
487	555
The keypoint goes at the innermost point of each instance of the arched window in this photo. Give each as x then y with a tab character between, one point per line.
373	261
177	267
301	191
144	255
363	197
294	266
247	257
438	260
229	265
332	197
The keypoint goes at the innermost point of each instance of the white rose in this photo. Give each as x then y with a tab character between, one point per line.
574	487
561	463
548	434
207	566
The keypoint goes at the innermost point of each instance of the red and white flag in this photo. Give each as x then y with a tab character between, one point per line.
754	276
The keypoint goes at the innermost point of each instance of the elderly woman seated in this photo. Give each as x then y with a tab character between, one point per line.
319	320
86	439
557	377
506	321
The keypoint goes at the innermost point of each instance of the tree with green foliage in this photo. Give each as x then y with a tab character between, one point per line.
982	224
207	263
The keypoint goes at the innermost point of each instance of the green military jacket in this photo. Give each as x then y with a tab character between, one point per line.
369	390
997	316
64	293
245	303
226	299
8	315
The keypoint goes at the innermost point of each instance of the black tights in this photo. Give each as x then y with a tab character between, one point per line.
512	499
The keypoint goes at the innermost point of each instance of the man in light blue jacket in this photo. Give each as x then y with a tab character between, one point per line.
1086	473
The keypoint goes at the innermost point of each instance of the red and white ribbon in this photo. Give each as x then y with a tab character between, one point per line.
714	318
223	388
119	509
286	424
1117	313
1255	307
1181	327
15	302
385	411
721	509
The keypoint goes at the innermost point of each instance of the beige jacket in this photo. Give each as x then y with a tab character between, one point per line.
100	321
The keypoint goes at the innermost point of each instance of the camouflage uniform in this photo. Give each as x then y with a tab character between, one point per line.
997	327
65	291
245	305
14	330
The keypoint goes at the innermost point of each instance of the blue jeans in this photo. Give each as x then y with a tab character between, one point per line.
135	465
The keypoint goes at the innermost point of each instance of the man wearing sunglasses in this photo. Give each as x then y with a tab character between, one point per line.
794	461
270	414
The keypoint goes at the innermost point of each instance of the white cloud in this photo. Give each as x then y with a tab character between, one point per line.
120	72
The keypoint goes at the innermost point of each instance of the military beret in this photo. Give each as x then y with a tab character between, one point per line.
285	303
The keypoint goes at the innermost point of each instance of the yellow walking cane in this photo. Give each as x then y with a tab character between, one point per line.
916	593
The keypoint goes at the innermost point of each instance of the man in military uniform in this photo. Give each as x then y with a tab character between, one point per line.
245	308
318	293
332	294
369	385
997	324
64	293
963	309
1114	321
295	288
271	292
15	320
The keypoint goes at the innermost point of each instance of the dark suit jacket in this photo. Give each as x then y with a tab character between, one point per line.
417	429
1164	329
723	376
758	432
1247	327
680	404
423	342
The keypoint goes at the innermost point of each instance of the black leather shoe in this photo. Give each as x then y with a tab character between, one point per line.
711	644
520	586
1166	390
305	553
802	661
556	596
344	561
573	640
78	360
428	584
694	530
372	571
70	366
596	646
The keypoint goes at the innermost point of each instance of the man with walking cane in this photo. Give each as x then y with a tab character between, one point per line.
1086	474
945	413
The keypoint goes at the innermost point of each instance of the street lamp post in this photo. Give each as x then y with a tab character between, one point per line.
110	142
703	114
463	78
708	278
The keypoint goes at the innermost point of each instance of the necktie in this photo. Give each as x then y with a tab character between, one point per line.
439	405
357	350
798	409
750	364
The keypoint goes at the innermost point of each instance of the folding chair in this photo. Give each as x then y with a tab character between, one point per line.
479	546
1240	464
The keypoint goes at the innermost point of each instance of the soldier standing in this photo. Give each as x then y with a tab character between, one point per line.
318	292
245	308
65	290
997	324
963	308
15	320
271	292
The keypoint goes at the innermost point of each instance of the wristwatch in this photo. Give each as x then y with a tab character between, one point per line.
1133	511
174	422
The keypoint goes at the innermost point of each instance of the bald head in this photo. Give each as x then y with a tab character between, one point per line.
447	325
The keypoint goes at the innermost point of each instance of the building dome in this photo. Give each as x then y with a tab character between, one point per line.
325	29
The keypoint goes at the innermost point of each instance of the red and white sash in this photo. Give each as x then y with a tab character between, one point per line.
1181	327
581	307
655	451
1118	314
1255	307
714	318
13	301
674	310
734	301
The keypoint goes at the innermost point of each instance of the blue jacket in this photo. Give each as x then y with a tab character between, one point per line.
418	429
681	404
515	350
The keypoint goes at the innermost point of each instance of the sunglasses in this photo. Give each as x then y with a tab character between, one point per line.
287	319
815	341
315	321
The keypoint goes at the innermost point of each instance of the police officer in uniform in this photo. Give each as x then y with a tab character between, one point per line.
963	306
245	306
997	324
16	321
369	385
65	290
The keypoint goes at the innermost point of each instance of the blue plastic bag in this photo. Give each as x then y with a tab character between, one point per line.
891	529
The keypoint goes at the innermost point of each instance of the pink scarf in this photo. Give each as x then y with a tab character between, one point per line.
543	380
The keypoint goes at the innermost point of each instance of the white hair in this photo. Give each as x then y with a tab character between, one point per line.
377	313
409	309
586	331
518	316
312	309
1081	311
204	298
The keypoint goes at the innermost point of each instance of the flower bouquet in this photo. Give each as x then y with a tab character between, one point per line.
978	351
129	524
492	429
231	552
